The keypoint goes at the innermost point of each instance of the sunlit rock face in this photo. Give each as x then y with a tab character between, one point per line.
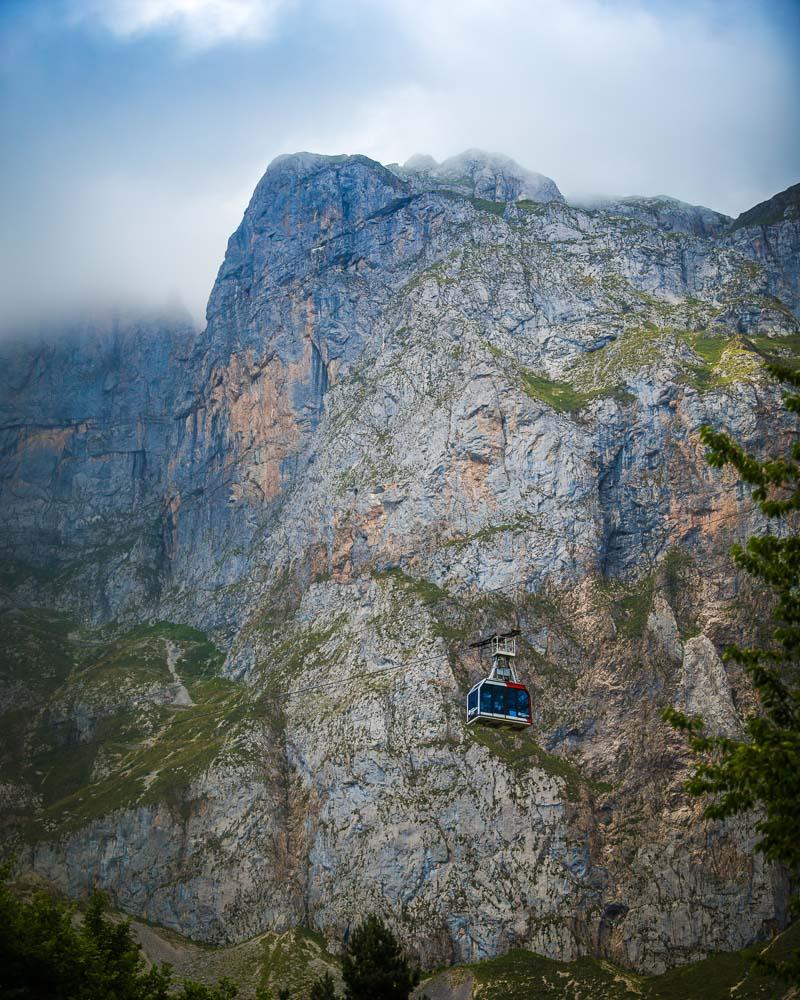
429	401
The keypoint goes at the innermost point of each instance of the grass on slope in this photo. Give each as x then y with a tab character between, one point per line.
562	397
600	374
35	651
137	768
715	362
292	960
89	725
524	975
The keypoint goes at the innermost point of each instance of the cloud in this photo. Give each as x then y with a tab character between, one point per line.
693	101
200	24
126	168
120	240
624	97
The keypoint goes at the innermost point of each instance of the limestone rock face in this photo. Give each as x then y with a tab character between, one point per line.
662	625
87	440
429	401
705	689
776	247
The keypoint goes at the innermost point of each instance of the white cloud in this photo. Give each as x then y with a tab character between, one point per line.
198	23
155	164
607	98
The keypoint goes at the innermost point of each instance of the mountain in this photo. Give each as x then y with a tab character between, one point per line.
243	567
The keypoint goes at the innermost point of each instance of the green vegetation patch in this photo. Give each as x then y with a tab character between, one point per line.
143	769
631	604
198	657
437	601
637	346
563	397
708	348
484	205
674	576
118	668
519	752
784	349
531	206
15	573
91	727
302	648
36	657
720	361
724	361
728	974
438	272
35	650
293	961
737	363
522	522
600	374
521	974
428	592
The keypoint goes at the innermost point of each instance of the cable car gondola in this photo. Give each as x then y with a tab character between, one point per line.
500	699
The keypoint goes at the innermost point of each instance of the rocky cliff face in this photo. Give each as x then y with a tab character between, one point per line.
428	401
87	440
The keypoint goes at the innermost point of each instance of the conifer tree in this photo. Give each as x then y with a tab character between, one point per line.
45	953
323	988
374	966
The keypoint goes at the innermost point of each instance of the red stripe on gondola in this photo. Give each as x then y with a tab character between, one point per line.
513	684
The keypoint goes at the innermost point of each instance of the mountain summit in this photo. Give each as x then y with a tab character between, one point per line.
491	176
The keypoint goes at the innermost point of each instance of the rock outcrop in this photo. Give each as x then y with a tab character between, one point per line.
704	689
490	176
428	400
667	213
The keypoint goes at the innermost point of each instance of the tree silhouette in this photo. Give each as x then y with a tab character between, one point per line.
45	954
323	988
373	964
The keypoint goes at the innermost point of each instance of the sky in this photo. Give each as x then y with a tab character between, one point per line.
134	131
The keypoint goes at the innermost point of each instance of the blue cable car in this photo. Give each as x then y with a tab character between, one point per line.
500	699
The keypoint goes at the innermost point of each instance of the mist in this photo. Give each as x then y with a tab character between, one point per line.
135	130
